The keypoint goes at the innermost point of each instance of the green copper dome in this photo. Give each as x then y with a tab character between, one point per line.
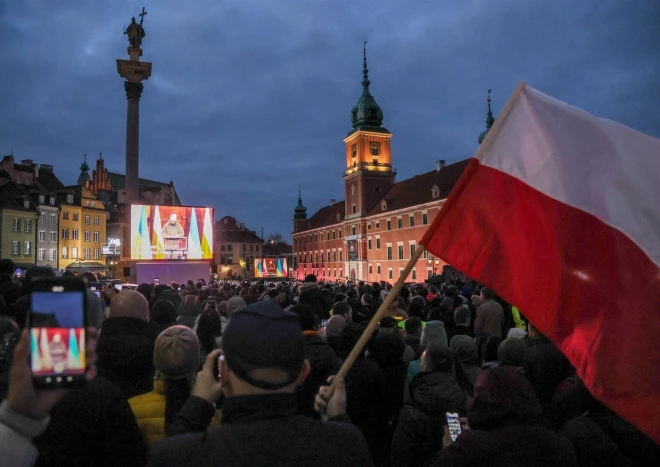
367	114
84	172
300	211
489	121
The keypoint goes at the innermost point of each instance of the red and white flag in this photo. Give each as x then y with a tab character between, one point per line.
559	212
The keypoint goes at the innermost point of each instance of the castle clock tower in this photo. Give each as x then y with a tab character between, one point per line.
369	174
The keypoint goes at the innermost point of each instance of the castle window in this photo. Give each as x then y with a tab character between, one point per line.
383	206
374	148
354	151
353	209
435	192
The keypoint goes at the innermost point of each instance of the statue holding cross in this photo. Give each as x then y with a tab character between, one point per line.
135	31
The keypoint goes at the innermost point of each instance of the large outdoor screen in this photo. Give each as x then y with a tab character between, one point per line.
171	232
270	267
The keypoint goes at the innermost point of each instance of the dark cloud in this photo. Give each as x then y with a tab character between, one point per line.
249	99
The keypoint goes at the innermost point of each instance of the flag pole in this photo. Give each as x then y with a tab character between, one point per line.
373	324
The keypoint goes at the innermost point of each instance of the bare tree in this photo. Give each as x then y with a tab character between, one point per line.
275	238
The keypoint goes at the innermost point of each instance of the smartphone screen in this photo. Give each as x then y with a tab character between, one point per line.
156	280
57	337
454	425
119	287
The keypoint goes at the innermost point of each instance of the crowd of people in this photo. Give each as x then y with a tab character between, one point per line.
238	373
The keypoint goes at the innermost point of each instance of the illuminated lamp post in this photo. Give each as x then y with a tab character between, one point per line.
435	262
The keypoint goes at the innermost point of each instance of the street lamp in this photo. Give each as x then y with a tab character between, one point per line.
433	261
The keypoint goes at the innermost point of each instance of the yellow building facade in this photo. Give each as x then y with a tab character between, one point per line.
82	227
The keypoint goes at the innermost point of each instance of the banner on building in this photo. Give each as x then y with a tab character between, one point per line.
352	247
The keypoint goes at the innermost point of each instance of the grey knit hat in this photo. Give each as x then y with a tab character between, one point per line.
176	353
235	303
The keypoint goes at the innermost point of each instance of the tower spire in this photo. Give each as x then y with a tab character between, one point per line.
365	70
300	211
489	119
84	172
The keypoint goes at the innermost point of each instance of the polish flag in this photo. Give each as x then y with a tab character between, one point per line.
559	212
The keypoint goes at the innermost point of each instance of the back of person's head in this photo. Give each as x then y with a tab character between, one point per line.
462	316
264	349
89	277
340	297
314	300
20	310
129	304
335	325
37	271
417	308
413	326
7	269
343	309
433	289
306	317
451	291
491	347
235	303
176	359
438	358
163	313
388	348
310	278
9	335
145	290
209	327
503	396
176	352
434	333
435	314
516	333
347	340
272	293
465	348
512	352
487	293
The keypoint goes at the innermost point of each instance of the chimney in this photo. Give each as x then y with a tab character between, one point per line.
440	163
332	201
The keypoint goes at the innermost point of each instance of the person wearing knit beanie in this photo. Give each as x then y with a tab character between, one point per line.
434	333
176	359
335	325
176	353
235	303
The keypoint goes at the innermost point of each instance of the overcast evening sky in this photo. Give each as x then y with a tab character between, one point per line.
250	98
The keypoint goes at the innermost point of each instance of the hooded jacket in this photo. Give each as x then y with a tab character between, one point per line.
419	432
125	354
505	429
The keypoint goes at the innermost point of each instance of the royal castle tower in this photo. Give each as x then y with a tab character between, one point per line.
369	172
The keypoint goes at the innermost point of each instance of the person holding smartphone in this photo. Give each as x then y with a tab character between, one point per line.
434	392
260	424
24	414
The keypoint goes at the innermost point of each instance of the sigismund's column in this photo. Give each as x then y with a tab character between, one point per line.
133	71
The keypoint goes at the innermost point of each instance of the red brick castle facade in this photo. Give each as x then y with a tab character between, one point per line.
373	233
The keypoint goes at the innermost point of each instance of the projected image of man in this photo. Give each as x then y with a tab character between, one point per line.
172	233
